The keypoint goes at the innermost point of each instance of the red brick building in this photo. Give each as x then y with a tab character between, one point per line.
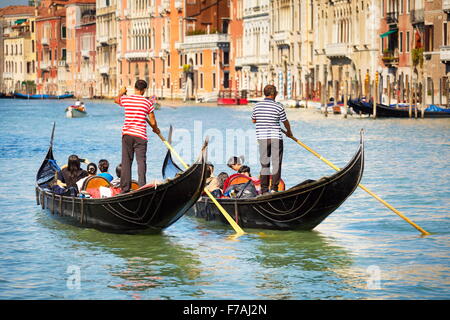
51	49
204	52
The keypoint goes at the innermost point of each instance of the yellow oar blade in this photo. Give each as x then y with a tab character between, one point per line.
230	220
362	187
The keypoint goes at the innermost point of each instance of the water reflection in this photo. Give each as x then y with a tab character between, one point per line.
302	265
146	261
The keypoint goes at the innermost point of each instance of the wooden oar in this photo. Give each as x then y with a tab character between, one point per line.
362	187
235	226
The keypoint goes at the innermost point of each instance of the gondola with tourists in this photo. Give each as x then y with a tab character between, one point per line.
402	111
148	209
302	207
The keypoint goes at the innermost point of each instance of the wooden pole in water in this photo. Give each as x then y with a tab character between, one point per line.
345	100
417	95
447	92
375	94
388	82
410	98
424	99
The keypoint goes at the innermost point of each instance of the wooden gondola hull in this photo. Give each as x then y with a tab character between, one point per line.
302	207
146	210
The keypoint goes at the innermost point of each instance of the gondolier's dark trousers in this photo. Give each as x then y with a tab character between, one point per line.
270	151
130	146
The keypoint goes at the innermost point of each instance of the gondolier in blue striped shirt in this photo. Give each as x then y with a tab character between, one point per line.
267	116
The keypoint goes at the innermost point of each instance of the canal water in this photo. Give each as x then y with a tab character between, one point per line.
362	251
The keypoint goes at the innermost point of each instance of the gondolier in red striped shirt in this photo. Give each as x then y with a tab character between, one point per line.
134	132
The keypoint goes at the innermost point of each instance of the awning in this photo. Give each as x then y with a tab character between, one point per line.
388	33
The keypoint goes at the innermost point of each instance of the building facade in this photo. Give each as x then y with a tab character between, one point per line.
253	57
106	47
436	38
345	51
204	50
81	50
289	45
52	69
445	52
17	50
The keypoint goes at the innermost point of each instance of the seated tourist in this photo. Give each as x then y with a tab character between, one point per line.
216	184
116	182
211	177
91	170
70	174
103	166
235	162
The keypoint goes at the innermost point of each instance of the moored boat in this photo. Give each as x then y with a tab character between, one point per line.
301	207
402	111
148	209
229	97
41	96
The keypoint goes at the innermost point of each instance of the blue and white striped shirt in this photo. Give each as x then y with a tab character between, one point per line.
268	115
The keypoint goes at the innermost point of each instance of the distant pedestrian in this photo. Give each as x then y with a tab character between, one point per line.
138	110
267	115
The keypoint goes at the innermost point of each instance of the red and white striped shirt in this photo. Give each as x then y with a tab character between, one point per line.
137	109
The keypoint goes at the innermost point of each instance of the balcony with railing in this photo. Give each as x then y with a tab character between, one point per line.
138	55
335	50
390	58
102	40
85	53
446	5
44	41
104	69
417	16
252	60
392	17
445	54
44	65
165	46
165	7
62	63
179	5
200	41
282	37
7	75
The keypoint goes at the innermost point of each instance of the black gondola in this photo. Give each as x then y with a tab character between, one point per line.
301	207
384	111
146	210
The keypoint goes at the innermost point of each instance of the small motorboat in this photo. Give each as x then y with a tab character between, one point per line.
76	112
